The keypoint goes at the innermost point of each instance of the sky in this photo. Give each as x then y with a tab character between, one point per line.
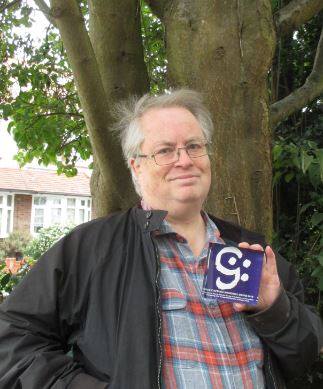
8	147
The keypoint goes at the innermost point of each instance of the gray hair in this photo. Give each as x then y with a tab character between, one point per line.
129	112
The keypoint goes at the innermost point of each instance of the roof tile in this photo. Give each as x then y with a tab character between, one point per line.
43	181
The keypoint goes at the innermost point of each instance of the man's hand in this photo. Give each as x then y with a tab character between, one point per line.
269	283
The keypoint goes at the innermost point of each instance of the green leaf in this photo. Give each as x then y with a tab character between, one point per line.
5	279
320	284
316	218
306	161
317	272
314	175
319	155
289	176
306	206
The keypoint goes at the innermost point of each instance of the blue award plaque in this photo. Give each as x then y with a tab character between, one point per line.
233	274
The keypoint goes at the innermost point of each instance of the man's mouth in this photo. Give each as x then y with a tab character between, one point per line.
184	177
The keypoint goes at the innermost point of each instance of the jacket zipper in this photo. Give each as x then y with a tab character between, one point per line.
158	315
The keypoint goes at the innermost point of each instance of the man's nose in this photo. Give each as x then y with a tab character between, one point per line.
182	157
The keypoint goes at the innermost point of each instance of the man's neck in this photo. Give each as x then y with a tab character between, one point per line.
186	220
192	228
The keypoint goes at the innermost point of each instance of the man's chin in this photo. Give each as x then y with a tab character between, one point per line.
189	196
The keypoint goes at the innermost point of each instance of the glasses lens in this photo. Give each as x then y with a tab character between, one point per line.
196	149
165	156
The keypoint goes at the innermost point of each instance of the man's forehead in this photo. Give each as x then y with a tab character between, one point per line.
165	141
165	120
167	114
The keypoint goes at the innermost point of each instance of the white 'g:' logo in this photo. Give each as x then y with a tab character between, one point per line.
230	272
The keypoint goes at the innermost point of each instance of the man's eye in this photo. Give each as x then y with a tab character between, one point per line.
164	151
194	146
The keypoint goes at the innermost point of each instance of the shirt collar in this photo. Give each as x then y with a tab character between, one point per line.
163	227
212	231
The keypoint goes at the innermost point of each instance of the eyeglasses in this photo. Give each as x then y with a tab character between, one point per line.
170	154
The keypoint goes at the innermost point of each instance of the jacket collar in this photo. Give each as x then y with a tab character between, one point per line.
151	220
236	233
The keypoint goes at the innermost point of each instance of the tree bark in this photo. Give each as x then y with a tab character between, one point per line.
101	79
114	29
232	45
298	99
296	13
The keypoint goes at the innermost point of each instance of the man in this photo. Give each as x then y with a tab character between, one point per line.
123	293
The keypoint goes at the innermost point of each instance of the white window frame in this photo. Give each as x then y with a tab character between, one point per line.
49	205
4	214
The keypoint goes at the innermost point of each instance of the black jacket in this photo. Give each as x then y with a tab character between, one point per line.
96	293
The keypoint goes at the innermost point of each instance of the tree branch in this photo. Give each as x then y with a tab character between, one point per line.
68	114
296	13
298	99
88	82
41	4
9	5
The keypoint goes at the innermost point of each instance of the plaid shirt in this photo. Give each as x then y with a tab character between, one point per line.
206	343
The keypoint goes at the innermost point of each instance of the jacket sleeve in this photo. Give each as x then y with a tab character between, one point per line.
39	318
291	329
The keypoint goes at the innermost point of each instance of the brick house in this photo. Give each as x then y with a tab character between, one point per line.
34	198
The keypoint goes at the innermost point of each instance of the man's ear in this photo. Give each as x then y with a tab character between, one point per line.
135	166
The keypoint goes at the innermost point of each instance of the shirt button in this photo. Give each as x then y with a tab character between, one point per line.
147	224
148	214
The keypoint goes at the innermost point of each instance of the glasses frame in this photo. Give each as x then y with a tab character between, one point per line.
177	149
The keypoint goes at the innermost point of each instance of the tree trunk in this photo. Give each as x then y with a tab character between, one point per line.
223	49
232	45
114	29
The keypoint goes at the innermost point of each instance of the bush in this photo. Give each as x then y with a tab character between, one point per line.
45	239
15	245
9	280
31	250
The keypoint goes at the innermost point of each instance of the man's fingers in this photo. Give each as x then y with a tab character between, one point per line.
256	247
271	260
244	245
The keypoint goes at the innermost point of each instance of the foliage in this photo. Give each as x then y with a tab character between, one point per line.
298	177
38	95
16	242
32	248
45	239
8	280
153	37
298	165
298	181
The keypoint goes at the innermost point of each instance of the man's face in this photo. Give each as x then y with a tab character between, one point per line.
185	181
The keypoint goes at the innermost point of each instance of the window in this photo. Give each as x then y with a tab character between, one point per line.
6	214
71	210
39	219
40	200
70	215
63	210
39	208
56	211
